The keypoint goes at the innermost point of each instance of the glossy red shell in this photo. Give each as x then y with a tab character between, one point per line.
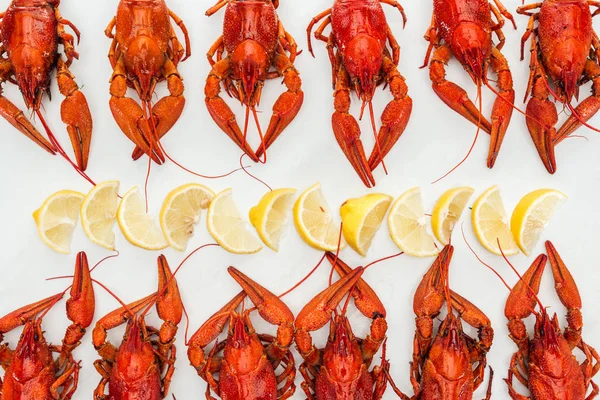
466	25
29	35
148	18
565	36
32	370
250	20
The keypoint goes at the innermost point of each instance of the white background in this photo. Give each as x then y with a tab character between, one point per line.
307	152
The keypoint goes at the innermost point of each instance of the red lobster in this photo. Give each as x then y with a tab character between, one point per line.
341	370
141	367
464	29
31	372
145	51
257	47
545	363
30	32
565	50
360	33
451	365
248	362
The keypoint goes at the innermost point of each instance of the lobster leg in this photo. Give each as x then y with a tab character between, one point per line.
75	113
503	106
220	111
176	44
310	27
453	95
347	131
369	304
166	112
587	108
130	117
287	105
396	115
16	118
318	312
272	310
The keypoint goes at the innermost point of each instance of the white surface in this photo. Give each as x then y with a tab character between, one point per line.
435	140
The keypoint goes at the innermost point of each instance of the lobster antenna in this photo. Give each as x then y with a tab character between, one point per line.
472	144
493	90
60	149
496	272
377	144
125	306
303	279
245	169
260	134
337	254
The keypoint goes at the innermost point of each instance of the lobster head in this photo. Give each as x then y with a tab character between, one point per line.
146	60
449	348
33	81
32	353
342	348
363	58
546	334
243	348
135	348
471	46
249	65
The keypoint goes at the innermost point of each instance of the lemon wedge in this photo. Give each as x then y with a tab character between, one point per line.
139	227
270	216
181	211
56	219
99	213
361	219
490	223
230	230
532	215
314	221
408	225
447	212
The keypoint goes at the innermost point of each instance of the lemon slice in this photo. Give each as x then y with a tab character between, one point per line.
139	227
532	215
99	213
362	218
181	211
269	217
314	221
447	212
230	230
490	223
408	225
56	219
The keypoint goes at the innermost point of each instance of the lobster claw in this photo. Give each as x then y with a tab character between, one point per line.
347	133
168	303
20	316
542	111
318	311
365	298
563	280
269	306
82	303
430	295
522	299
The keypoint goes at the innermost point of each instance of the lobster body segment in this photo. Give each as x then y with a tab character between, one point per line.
31	370
31	32
564	55
257	48
364	54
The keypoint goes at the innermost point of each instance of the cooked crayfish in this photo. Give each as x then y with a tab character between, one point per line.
141	367
463	29
451	365
247	367
361	34
31	372
145	51
30	32
341	369
565	52
545	363
258	48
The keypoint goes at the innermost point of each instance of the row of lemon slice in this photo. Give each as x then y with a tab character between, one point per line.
409	226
